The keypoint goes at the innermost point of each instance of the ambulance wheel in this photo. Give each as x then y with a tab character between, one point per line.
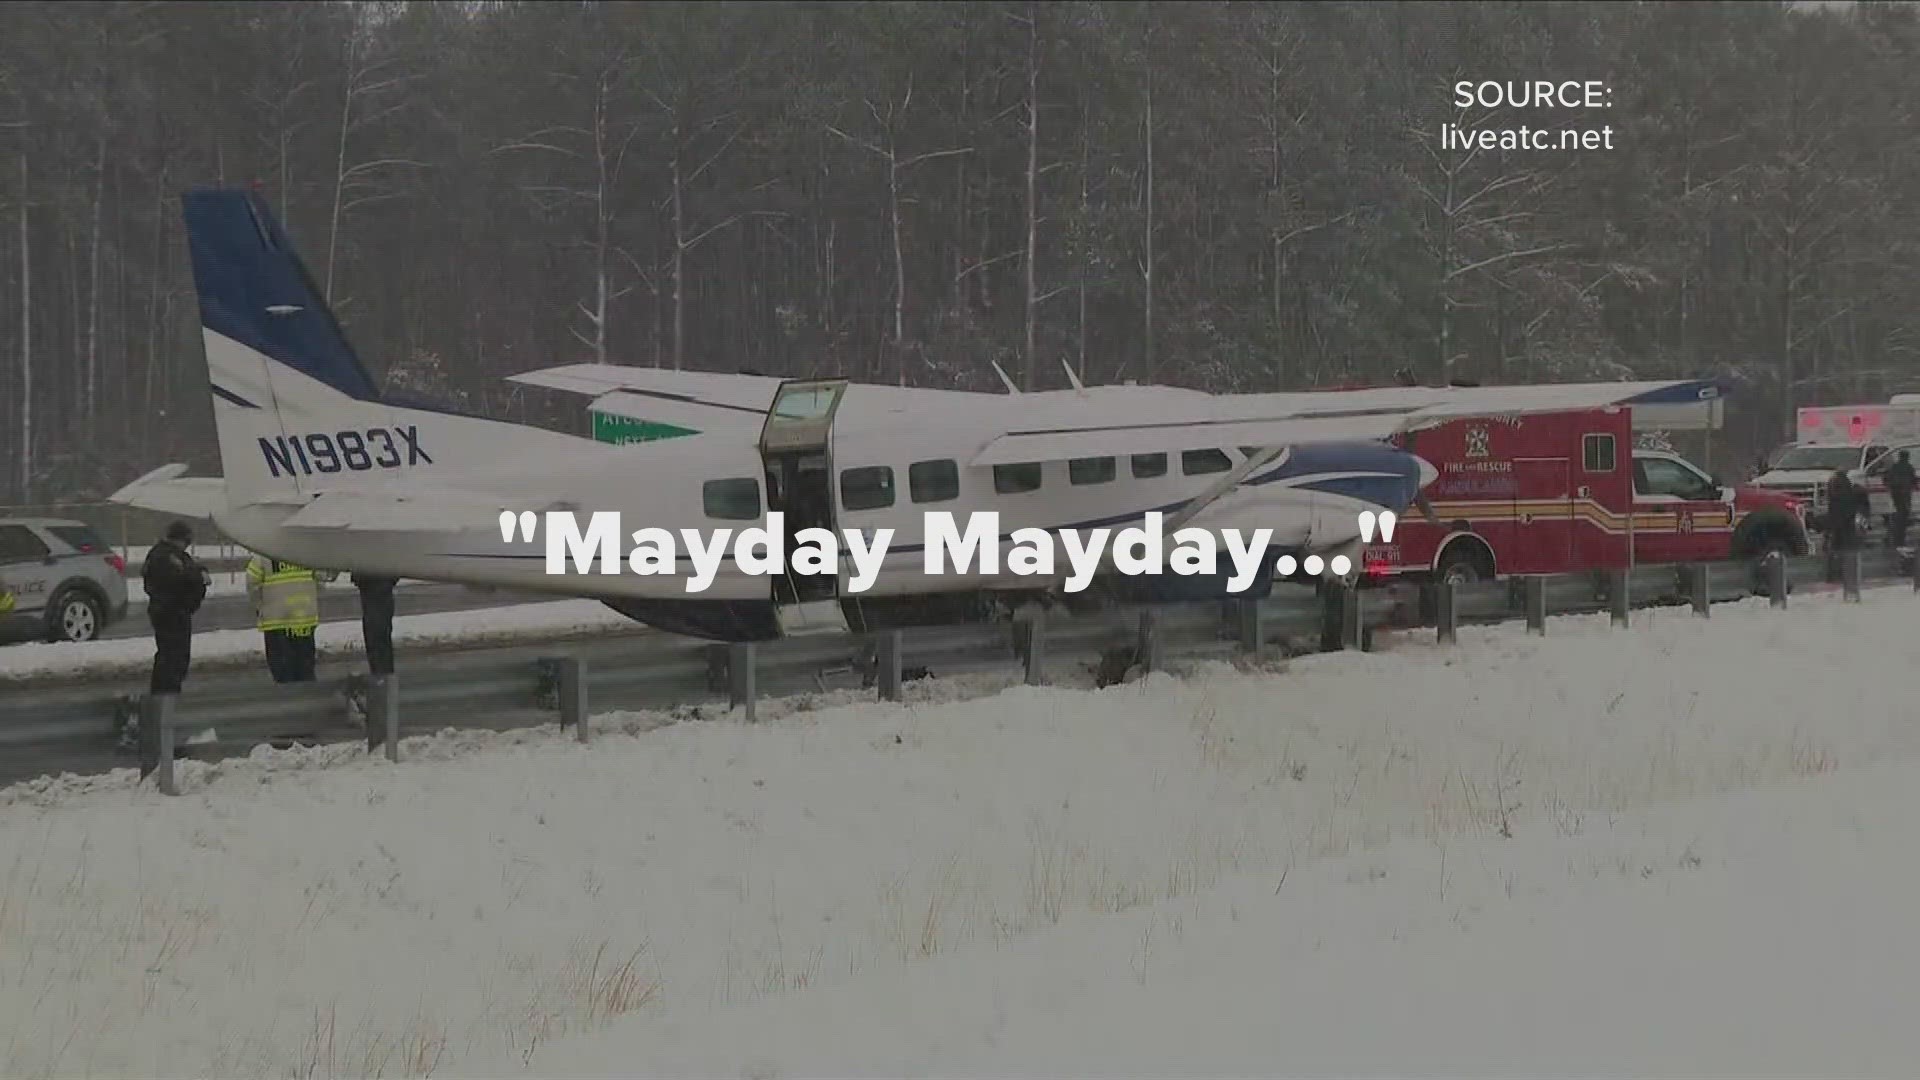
1464	563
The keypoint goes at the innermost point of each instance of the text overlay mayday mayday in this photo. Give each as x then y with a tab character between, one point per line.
949	548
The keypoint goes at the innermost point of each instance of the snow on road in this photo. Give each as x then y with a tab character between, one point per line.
123	656
1466	861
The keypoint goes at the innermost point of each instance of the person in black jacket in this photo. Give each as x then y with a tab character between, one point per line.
1899	479
176	584
376	621
1845	506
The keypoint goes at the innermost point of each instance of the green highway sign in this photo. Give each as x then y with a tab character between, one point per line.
625	429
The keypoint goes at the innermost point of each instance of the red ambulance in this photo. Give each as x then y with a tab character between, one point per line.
1569	492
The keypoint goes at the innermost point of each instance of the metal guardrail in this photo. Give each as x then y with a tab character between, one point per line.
82	727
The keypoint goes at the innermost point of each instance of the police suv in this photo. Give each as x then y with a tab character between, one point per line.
67	585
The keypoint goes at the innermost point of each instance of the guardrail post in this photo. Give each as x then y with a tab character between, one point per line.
1776	579
156	739
1252	627
740	681
383	715
886	657
1429	602
1032	634
1446	612
1330	611
1149	642
1353	631
1700	588
1535	589
1850	576
573	695
1618	600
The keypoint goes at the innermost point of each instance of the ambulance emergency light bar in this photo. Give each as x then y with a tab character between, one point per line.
1858	425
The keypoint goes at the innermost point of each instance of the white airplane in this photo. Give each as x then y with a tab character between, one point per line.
321	469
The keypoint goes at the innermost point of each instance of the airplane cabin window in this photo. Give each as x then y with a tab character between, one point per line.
732	499
1092	470
1148	466
1016	479
1202	462
869	487
933	481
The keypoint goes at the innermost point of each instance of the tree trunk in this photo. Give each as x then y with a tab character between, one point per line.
679	258
26	341
899	264
1147	268
90	398
1086	210
340	171
1027	359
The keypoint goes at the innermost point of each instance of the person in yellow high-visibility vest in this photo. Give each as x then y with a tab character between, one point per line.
6	599
286	605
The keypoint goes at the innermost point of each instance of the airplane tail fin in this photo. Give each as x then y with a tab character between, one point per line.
296	411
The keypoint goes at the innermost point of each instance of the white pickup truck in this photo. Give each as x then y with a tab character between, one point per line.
1861	439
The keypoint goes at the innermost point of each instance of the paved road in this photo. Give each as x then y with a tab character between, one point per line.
337	604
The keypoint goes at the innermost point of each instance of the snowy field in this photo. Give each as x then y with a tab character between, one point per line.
1669	850
123	656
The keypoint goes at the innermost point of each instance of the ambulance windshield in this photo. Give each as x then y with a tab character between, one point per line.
1825	458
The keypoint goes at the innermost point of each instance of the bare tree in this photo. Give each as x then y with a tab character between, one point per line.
366	181
602	145
1471	228
26	336
888	150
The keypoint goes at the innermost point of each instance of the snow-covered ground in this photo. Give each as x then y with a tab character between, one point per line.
479	625
1680	849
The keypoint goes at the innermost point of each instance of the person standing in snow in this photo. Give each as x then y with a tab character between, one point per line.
286	604
1899	479
176	583
1845	503
376	621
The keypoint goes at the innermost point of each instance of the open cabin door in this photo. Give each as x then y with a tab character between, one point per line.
796	447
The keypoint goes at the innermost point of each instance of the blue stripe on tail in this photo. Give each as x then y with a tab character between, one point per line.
255	290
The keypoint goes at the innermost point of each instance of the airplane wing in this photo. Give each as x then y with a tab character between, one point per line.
718	390
166	491
716	401
1270	420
